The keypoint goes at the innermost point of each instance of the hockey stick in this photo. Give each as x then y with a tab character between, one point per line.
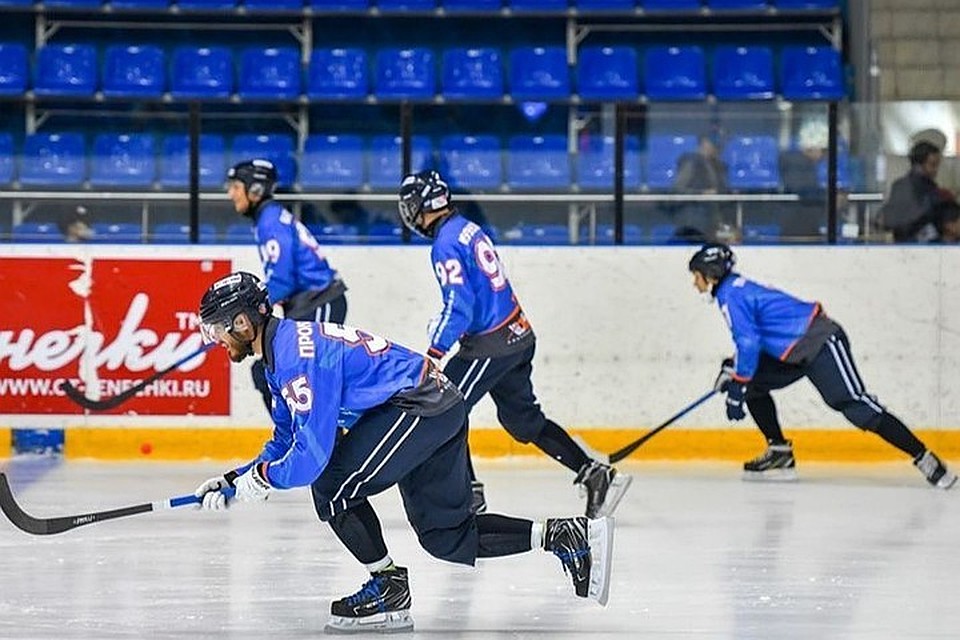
112	402
620	454
49	526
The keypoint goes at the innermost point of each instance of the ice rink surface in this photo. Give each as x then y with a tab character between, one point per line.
847	552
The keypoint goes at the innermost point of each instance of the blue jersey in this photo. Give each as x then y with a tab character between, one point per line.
321	374
477	296
762	319
291	257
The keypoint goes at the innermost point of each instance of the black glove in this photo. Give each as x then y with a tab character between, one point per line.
735	392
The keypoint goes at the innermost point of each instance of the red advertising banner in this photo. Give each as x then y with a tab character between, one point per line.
105	325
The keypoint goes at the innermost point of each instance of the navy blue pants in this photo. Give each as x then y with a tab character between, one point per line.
507	380
425	457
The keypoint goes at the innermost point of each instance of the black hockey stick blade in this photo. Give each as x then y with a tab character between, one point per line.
620	454
105	404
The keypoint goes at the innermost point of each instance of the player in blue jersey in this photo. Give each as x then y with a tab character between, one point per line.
497	343
780	339
299	279
411	432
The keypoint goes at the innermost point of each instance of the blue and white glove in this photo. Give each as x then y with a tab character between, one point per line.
253	485
211	492
727	370
735	392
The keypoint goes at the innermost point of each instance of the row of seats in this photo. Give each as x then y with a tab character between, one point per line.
447	5
351	162
528	73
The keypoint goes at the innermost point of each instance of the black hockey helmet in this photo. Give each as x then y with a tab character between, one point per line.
225	299
714	260
259	176
420	193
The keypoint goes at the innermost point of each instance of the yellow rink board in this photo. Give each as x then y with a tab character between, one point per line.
843	445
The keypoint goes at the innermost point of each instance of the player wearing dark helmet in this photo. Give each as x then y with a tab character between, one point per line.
780	339
497	344
299	279
411	432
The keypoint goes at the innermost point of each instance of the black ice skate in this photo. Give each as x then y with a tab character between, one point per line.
479	502
935	471
776	463
604	487
382	605
585	548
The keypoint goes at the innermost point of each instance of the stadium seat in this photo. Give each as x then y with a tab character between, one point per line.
663	152
332	162
407	5
538	162
761	233
205	72
605	5
175	161
36	232
606	234
277	148
66	70
272	73
134	71
737	5
204	5
116	233
472	73
16	3
239	233
473	162
595	164
743	73
788	5
405	73
338	73
537	5
123	160
811	73
339	5
53	159
77	4
663	233
752	162
6	158
675	73
178	233
336	233
14	69
670	5
139	4
273	5
384	233
539	73
607	73
843	170
538	234
386	159
471	5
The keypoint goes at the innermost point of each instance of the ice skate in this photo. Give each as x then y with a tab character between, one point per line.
603	485
776	463
479	501
382	606
585	548
935	471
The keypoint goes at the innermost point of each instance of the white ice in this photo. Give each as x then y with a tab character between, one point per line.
858	551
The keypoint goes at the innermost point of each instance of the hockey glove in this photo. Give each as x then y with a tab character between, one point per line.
735	392
253	486
725	376
210	492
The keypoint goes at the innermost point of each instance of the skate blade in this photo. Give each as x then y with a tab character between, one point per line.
390	622
600	537
615	492
771	475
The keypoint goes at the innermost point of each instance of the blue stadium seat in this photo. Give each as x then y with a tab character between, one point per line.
608	73
472	73
338	73
6	158
605	5
811	73
471	5
53	159
788	5
339	5
134	71
386	161
178	233
675	73
336	233
139	4
175	161
843	170
606	234
670	5
14	70
66	70
239	233
273	5
123	160
737	5
332	162
116	233
538	234
595	164
663	153
407	5
537	5
277	148
205	72
743	73
16	3
662	233
36	232
384	233
539	73
761	233
538	162
88	4
405	73
272	73
205	5
752	162
473	162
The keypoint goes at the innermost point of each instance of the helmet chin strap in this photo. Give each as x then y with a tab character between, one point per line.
248	351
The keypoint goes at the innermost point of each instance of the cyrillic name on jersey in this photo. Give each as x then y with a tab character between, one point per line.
466	234
305	344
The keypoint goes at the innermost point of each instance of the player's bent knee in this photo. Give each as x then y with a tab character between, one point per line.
452	545
526	428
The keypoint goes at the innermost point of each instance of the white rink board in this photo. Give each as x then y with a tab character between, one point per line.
624	339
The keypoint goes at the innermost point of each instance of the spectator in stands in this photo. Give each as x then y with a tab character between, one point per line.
701	172
75	226
806	219
908	212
